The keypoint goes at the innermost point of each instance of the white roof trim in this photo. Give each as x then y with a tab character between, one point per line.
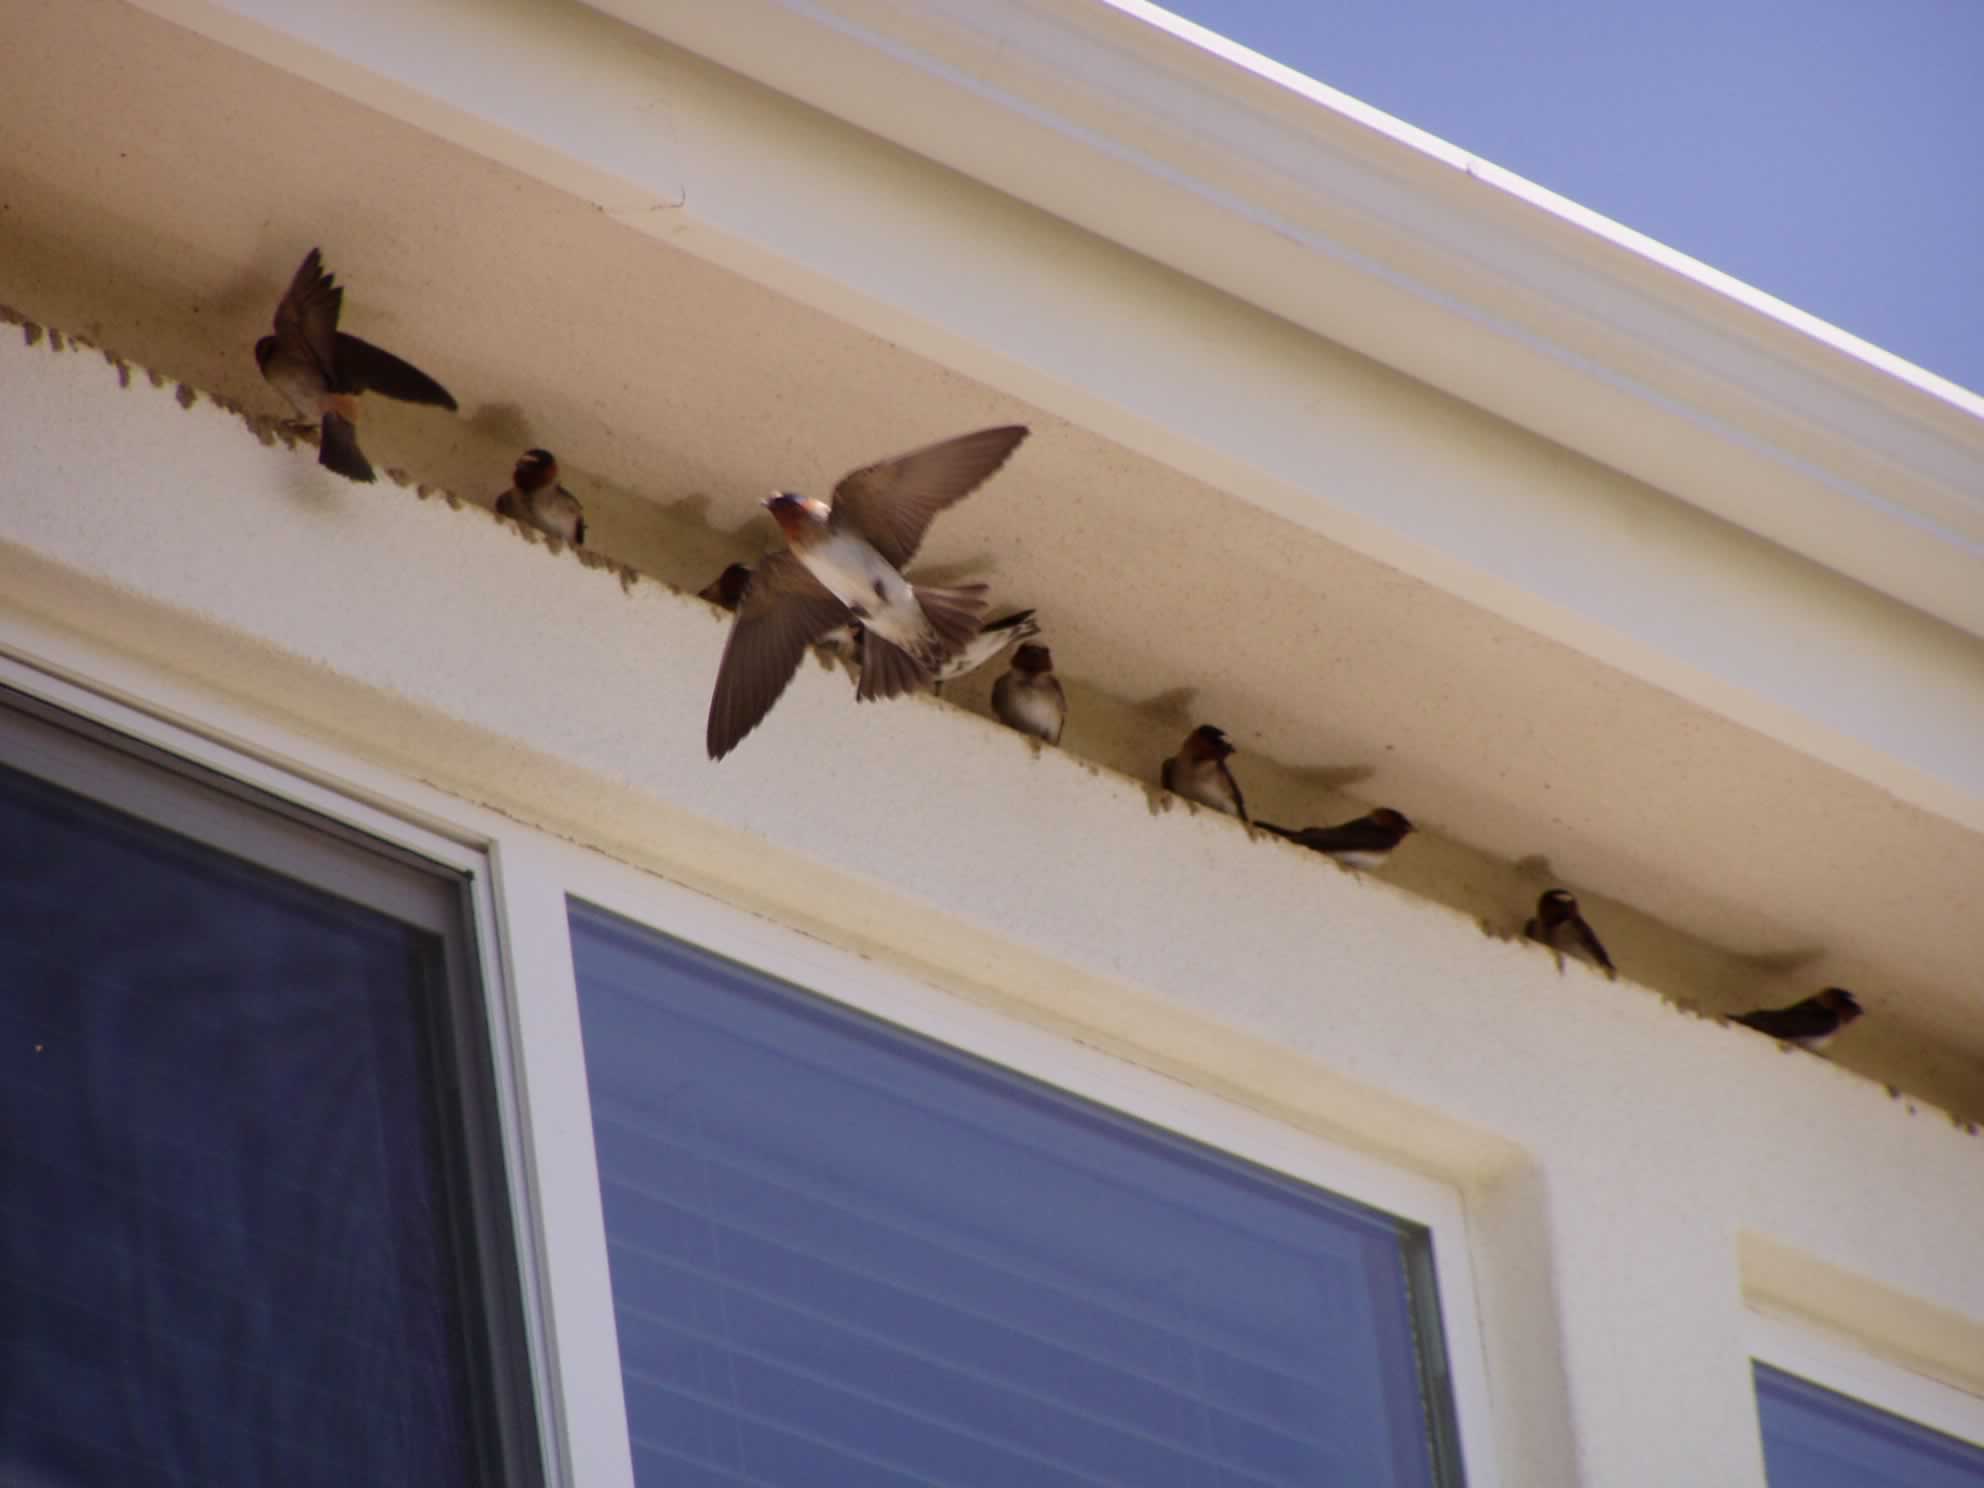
1207	157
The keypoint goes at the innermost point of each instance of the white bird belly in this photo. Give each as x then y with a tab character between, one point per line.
868	584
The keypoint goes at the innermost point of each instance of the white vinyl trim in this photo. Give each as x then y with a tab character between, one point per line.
1837	1362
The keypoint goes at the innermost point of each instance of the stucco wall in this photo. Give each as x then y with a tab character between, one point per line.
1628	1168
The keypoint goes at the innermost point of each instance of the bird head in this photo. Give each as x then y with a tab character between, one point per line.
536	469
1556	906
797	517
1033	660
1208	742
1841	1001
727	589
1392	821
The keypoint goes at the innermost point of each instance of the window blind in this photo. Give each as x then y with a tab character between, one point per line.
841	1253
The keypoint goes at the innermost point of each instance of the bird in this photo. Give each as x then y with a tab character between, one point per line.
726	590
1364	843
1560	926
844	641
321	371
1028	696
844	563
993	637
1198	772
535	499
1810	1024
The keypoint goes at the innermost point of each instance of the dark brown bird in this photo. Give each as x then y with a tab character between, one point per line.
537	500
1364	843
1810	1024
321	371
844	563
1029	696
1198	772
727	588
1559	925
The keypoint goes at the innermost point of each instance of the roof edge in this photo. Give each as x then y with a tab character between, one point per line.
1201	155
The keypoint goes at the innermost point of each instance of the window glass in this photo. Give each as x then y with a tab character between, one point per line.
842	1254
1818	1438
229	1173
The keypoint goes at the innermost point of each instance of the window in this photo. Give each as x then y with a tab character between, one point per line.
1835	1415
1818	1438
253	1227
843	1254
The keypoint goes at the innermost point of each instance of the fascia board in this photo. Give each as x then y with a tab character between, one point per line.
1202	156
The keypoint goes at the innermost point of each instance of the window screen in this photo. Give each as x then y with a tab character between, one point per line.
842	1254
1818	1438
239	1239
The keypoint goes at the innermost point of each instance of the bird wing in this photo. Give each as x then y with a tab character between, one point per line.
1589	940
1801	1020
363	367
893	503
784	611
1362	835
307	317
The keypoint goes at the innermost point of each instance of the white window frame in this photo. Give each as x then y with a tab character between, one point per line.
522	878
1843	1364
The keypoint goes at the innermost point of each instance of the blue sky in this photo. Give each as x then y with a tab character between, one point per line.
1830	152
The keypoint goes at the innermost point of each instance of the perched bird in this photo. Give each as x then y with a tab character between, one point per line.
1198	772
727	588
844	563
1364	843
987	646
321	370
1810	1024
1029	696
537	500
1560	926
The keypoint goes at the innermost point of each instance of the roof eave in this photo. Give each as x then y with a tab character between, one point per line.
1198	154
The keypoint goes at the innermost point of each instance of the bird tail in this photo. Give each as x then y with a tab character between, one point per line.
1018	626
338	450
887	669
955	614
1289	832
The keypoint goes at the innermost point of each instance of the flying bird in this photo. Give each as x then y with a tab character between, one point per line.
843	563
991	642
1810	1024
1198	772
1029	696
726	590
1364	843
321	371
1560	926
535	499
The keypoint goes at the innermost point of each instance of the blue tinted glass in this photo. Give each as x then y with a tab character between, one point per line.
222	1258
1817	1438
844	1255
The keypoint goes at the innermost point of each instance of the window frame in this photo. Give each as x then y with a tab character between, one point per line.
1834	1361
437	893
521	880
